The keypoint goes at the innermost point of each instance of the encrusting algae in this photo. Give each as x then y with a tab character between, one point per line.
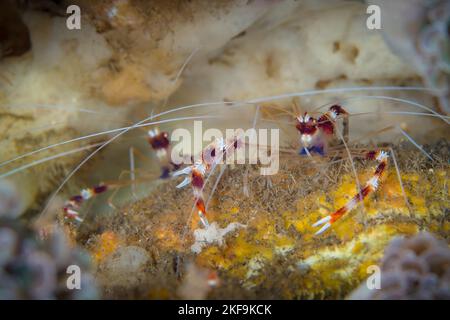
275	254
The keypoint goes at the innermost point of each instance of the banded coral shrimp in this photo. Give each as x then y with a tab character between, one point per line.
159	220
119	129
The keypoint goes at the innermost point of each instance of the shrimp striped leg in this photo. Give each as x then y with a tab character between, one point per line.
198	183
211	156
72	206
160	144
327	121
371	186
196	177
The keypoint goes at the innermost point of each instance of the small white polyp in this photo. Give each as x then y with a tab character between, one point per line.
212	234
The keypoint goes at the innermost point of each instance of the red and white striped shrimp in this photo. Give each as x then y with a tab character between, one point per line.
371	186
160	144
315	135
73	204
211	156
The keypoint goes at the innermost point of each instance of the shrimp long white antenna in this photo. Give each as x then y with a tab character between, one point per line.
180	72
444	118
339	90
415	143
205	117
65	107
16	170
419	114
103	145
290	95
86	160
358	184
356	114
406	101
55	156
399	177
93	135
216	183
215	104
185	63
405	113
413	103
